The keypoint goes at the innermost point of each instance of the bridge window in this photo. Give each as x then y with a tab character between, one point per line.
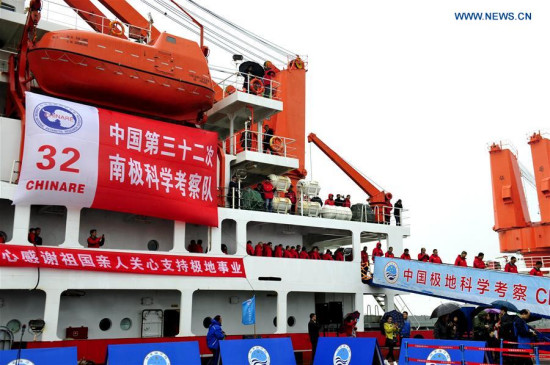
7	214
229	235
52	220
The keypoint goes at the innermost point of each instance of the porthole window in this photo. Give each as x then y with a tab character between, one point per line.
153	245
14	325
275	321
291	321
105	324
206	322
125	324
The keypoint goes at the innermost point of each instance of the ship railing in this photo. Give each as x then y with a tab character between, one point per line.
248	83
249	140
73	18
530	261
242	199
378	214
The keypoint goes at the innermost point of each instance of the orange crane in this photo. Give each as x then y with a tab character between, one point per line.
515	229
378	199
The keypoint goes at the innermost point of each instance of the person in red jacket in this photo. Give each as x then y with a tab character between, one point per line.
339	255
387	212
267	188
31	237
287	254
199	247
347	201
461	259
192	246
314	254
330	200
423	256
405	255
249	248
259	249
268	250
3	237
511	266
364	255
94	241
434	258
291	195
279	250
293	252
328	256
390	252
478	261
377	251
536	270
303	254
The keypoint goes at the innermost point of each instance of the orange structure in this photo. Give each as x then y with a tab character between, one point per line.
512	222
379	199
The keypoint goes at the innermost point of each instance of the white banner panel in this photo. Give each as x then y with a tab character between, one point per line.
60	158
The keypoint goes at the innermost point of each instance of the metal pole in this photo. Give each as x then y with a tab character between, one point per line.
537	360
406	352
463	360
501	347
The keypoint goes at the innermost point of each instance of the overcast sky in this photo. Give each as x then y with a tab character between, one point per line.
412	98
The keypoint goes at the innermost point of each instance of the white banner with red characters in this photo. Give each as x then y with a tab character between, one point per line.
480	286
81	156
120	262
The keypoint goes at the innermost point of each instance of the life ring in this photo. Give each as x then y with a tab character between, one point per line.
230	89
256	86
276	143
299	63
116	28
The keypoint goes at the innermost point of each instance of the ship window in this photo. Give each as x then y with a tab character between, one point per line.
14	325
171	39
291	321
105	324
125	324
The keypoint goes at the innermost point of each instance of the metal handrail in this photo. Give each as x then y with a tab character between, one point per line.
248	140
405	306
236	82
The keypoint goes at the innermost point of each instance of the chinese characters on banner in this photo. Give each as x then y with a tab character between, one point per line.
81	156
481	286
120	262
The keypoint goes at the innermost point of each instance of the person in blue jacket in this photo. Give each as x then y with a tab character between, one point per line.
524	334
213	338
406	329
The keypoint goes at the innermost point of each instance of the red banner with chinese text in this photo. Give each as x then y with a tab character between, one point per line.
120	262
156	169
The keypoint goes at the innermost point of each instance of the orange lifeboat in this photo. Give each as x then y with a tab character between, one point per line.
168	79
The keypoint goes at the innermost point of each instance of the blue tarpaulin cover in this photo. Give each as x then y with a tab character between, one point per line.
160	353
279	351
346	350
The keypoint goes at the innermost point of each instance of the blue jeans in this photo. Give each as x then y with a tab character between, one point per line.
269	205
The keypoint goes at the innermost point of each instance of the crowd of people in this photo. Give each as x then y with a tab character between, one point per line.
266	249
34	236
434	258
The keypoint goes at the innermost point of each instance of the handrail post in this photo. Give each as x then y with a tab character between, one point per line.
463	360
537	360
501	352
406	352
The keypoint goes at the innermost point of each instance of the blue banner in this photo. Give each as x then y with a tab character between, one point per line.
273	351
347	350
408	352
55	356
479	286
173	353
249	311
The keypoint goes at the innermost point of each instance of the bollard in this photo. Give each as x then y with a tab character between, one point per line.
462	355
537	360
501	347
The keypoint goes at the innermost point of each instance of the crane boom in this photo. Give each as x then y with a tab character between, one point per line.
377	197
90	14
128	14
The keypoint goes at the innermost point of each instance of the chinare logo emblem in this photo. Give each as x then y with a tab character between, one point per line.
438	355
391	272
156	358
20	362
342	355
57	118
258	356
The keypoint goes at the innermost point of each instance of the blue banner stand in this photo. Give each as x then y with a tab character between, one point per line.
159	353
347	350
273	351
408	352
47	356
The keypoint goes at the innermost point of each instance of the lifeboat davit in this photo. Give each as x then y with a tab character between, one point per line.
167	79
